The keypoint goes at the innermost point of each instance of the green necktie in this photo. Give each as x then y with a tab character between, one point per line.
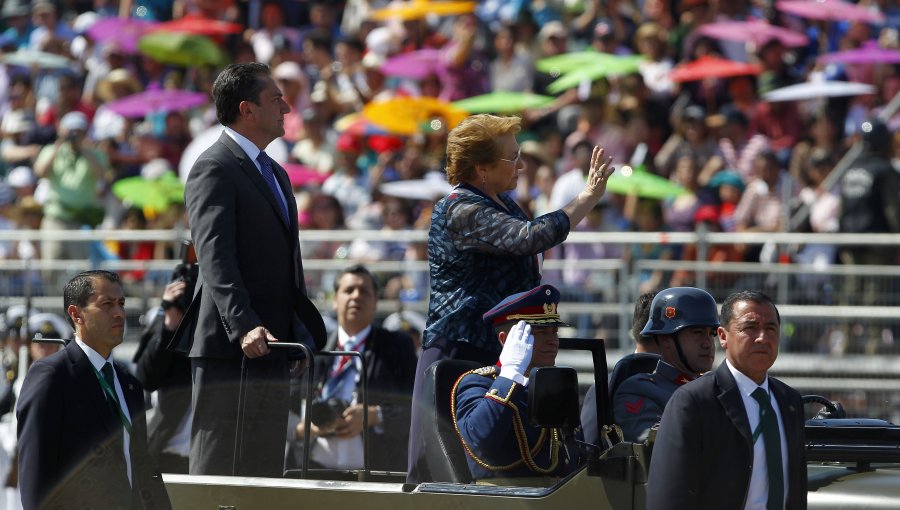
112	398
768	426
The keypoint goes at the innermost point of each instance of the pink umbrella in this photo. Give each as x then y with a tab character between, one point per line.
123	32
301	175
755	31
151	101
415	64
829	10
869	53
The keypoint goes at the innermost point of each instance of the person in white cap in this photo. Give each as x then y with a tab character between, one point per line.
74	171
22	181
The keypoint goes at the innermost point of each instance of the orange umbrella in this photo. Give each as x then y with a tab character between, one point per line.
418	9
411	115
200	26
712	67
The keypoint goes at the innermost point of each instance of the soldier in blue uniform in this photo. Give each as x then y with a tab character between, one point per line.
490	404
683	322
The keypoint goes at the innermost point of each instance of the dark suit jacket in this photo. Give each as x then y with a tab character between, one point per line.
250	269
703	455
390	373
168	374
70	445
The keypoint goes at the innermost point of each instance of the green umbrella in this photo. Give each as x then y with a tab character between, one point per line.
559	64
603	65
181	49
157	194
638	181
502	102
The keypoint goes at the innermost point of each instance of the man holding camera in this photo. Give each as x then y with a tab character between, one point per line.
337	413
75	172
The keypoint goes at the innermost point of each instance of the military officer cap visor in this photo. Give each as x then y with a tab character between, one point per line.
537	307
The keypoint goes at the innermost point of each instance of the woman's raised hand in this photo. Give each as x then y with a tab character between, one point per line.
599	172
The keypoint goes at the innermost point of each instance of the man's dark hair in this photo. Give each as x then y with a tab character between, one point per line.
238	82
753	296
358	270
641	316
79	289
320	39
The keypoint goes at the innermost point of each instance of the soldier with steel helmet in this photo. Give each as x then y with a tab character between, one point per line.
683	322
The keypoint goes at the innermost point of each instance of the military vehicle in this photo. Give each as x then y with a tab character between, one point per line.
852	464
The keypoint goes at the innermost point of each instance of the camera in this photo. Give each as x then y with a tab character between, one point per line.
186	271
323	412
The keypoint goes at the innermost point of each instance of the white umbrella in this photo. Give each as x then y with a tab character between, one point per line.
432	187
276	150
818	88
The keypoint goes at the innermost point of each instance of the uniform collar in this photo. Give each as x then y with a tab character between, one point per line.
673	374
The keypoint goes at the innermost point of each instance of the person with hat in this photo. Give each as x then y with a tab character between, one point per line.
733	438
490	404
682	325
47	25
74	170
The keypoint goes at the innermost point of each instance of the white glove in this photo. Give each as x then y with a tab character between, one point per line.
516	354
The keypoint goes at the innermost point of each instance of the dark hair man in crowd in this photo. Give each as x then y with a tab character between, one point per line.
733	438
82	432
390	371
243	220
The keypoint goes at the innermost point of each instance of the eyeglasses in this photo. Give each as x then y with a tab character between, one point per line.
514	161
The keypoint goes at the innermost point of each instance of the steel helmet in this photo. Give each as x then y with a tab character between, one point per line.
680	307
875	135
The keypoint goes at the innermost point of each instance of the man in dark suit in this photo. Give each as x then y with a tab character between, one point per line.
82	432
733	438
243	220
390	373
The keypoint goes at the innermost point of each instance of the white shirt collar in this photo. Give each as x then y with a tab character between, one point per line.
344	337
93	356
744	383
250	148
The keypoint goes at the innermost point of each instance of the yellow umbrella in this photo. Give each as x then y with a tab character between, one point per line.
418	9
411	115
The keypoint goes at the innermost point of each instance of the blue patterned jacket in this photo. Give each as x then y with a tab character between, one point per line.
479	254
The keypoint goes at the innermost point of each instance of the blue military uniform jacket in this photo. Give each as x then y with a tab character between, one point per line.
639	401
491	417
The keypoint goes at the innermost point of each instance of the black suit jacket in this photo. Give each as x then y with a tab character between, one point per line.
703	455
250	269
70	445
390	374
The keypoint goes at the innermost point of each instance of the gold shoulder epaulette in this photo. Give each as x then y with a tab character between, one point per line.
487	371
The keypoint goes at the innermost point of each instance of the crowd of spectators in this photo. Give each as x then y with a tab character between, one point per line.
747	164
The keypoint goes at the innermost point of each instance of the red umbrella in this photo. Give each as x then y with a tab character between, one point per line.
200	26
829	10
712	67
755	31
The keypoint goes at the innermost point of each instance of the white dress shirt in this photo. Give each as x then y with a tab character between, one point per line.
252	152
758	491
98	361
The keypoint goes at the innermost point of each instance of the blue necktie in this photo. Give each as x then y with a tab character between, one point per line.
768	426
268	173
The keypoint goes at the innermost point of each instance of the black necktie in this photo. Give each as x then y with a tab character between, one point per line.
768	426
268	173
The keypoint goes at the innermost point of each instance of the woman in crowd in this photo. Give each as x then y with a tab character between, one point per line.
482	246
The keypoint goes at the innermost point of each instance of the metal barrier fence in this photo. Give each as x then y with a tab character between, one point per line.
840	323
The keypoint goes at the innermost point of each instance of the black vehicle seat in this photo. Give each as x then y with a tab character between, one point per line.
635	363
443	449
